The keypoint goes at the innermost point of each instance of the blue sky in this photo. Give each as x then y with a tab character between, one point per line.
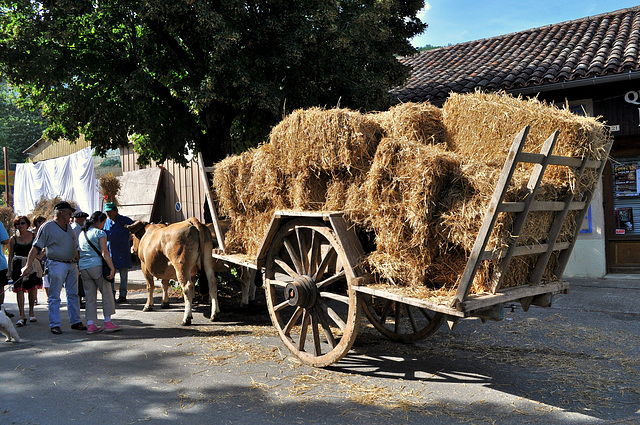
456	21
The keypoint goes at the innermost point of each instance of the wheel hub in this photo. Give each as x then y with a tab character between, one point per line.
301	292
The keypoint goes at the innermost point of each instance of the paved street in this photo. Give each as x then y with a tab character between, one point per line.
576	362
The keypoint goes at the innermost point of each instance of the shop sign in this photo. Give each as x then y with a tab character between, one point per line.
625	180
633	97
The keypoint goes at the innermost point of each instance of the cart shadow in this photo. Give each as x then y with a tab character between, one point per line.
516	370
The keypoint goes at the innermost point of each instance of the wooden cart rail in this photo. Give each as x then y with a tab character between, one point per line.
521	210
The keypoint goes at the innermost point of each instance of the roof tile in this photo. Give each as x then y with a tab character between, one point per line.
593	46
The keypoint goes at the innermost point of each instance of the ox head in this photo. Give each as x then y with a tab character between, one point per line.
137	229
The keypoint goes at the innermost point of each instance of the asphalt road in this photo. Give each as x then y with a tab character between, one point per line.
577	362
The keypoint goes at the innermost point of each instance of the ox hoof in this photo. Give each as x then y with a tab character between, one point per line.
186	322
147	308
165	305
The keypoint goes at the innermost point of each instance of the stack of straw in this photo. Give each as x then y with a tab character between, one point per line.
417	177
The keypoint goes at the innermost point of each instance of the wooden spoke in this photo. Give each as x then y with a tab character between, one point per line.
279	283
294	256
388	306
412	319
315	252
426	314
282	305
317	349
303	330
286	268
342	298
326	329
302	249
401	322
292	321
332	279
333	315
323	265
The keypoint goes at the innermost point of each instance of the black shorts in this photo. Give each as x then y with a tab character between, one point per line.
3	278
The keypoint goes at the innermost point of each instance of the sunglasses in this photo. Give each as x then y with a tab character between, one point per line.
21	223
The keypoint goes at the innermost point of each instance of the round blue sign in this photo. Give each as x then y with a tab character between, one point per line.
178	206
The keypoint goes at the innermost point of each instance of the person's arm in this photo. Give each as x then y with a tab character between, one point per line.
107	256
12	243
5	242
33	253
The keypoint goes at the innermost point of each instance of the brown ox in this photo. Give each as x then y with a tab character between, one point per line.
176	251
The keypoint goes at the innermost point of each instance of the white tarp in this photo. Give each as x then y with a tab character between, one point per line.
70	177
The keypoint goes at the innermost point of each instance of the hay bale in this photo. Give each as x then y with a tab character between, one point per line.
404	191
230	181
482	127
312	161
418	122
327	141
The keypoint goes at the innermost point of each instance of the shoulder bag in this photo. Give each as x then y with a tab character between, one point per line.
106	271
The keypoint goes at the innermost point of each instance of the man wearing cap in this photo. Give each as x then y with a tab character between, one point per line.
61	243
118	241
79	217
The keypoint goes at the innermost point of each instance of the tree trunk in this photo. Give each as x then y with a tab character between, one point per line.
215	144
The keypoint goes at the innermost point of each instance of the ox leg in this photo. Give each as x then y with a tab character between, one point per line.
248	286
209	269
150	288
188	289
165	293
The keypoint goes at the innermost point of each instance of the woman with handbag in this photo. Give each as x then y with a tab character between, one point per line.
94	257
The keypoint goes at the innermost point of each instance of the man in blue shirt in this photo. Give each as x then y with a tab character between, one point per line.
4	266
118	240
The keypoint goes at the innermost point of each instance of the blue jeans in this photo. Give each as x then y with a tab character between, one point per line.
60	274
124	278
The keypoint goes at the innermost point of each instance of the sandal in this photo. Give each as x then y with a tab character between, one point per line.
21	322
33	319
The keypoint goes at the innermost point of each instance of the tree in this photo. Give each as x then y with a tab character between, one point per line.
177	74
19	127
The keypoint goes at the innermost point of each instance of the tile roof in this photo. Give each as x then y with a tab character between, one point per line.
594	46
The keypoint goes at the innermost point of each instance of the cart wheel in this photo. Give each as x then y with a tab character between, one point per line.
401	322
309	294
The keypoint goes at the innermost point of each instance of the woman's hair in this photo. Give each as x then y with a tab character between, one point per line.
20	218
96	217
39	220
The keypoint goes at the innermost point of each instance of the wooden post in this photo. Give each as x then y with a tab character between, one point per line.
6	175
212	208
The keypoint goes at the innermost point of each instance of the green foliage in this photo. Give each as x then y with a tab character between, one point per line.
110	162
183	74
428	47
19	127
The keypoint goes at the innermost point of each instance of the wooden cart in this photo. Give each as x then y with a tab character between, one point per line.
316	290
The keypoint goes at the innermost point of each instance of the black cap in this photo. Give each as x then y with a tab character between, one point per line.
80	214
64	205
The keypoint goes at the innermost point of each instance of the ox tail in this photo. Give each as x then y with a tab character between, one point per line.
205	242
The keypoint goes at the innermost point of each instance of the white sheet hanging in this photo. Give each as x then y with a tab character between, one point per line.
70	177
